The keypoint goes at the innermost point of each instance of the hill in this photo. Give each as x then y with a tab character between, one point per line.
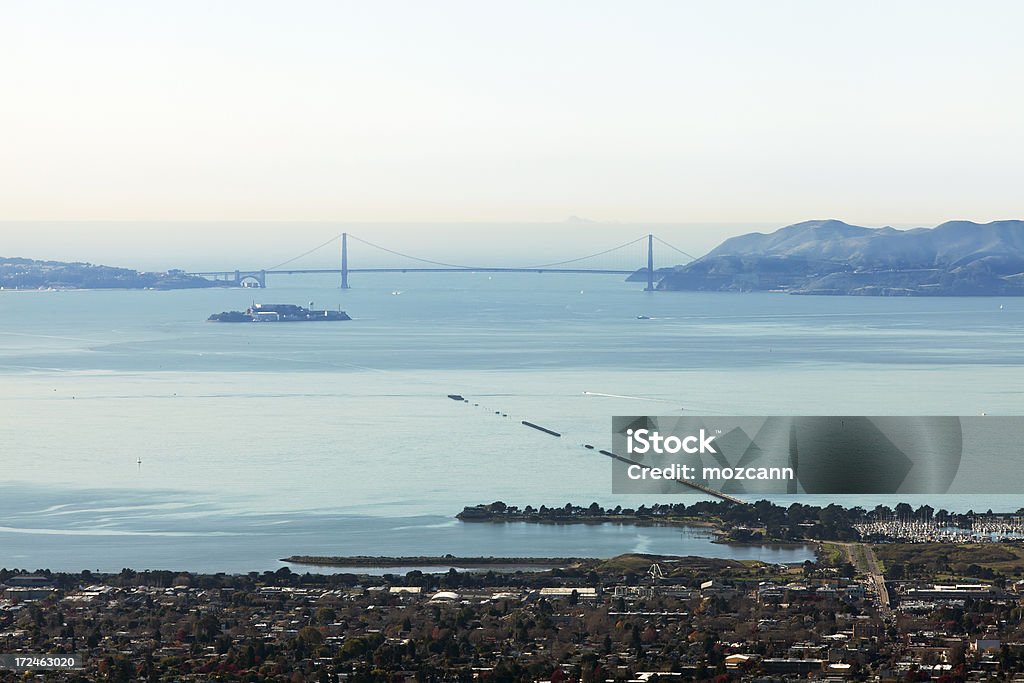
23	273
957	258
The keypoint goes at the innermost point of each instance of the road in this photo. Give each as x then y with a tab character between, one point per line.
862	556
875	571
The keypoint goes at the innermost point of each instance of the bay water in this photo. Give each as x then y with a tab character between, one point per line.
136	434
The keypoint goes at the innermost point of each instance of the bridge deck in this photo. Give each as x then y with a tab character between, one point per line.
337	271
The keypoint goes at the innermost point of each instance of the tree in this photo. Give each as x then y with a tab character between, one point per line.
310	636
882	512
206	628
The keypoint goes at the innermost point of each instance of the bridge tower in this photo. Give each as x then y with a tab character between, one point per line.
344	260
241	277
650	263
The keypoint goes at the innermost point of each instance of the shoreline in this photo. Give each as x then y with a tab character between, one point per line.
473	516
385	561
719	537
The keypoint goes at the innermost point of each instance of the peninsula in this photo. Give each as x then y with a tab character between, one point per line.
26	274
764	522
830	257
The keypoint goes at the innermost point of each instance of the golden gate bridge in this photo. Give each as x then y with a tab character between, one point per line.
258	278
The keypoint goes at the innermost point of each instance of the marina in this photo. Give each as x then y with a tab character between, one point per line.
1008	528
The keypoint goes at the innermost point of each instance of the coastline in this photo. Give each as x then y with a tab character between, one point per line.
720	535
621	521
383	561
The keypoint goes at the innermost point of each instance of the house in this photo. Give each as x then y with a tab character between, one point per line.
737	661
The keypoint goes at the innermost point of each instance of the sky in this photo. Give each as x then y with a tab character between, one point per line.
170	124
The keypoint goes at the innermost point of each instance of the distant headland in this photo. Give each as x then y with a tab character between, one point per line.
830	257
24	273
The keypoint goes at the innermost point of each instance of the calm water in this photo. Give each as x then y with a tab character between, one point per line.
259	442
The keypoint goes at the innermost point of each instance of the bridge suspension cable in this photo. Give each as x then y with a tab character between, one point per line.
583	258
443	264
467	267
690	256
306	253
409	256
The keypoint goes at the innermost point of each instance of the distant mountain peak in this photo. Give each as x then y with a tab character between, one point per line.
821	223
832	256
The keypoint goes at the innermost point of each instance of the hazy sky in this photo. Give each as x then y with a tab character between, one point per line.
742	112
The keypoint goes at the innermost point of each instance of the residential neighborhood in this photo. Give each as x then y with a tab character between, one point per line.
631	618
